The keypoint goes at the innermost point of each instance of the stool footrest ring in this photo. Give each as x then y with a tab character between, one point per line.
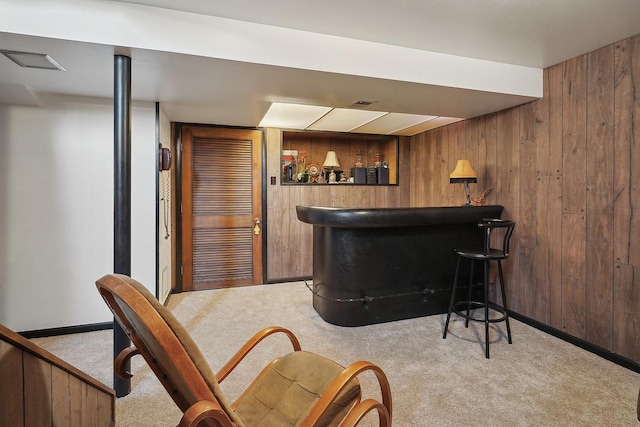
460	308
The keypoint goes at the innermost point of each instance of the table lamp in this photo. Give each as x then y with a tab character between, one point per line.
464	173
331	162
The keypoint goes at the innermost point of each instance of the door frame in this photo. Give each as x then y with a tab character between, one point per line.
177	138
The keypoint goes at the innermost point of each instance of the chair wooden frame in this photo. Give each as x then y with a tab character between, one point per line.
161	340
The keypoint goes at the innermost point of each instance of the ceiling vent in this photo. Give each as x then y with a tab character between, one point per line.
360	104
33	60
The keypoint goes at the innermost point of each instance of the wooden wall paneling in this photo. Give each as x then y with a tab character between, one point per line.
484	175
61	397
316	155
427	170
404	174
508	191
541	281
339	195
471	151
76	405
573	274
11	384
626	292
527	289
551	218
36	388
276	204
360	196
458	135
424	166
487	157
103	408
574	120
292	243
471	141
89	406
392	157
379	196
599	203
37	391
342	152
574	197
583	197
441	192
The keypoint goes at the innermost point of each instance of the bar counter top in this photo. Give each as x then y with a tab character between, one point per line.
384	264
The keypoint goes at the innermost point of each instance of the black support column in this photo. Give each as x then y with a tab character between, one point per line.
122	197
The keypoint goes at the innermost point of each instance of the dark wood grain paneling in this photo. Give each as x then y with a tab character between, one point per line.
551	217
526	298
599	202
39	389
61	397
626	292
11	384
565	169
574	121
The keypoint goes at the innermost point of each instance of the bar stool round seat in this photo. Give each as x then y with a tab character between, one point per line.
467	308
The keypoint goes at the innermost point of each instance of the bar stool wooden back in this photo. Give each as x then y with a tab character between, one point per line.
495	250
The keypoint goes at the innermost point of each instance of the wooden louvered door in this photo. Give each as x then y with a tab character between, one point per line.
221	207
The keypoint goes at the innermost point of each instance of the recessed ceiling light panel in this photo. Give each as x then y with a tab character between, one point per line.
312	117
33	60
292	116
344	119
392	122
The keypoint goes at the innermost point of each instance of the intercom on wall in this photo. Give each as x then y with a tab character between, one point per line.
164	158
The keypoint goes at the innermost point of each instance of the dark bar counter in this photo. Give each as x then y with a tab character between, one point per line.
379	265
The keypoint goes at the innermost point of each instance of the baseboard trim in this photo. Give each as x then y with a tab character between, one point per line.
287	280
42	333
592	348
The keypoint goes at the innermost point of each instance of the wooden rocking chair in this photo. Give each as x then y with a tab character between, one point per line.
297	389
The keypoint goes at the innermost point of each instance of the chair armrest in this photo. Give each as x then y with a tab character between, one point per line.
361	408
123	360
205	409
250	344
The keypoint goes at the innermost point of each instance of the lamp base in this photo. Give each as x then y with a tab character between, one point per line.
467	192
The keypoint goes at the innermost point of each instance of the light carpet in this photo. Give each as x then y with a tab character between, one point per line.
539	380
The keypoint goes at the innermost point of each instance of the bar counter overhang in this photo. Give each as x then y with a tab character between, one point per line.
379	265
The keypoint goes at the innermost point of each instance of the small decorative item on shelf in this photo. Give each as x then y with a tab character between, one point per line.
289	165
331	162
314	172
378	162
359	163
303	176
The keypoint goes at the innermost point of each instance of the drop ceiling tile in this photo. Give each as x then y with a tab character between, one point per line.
344	119
292	116
392	122
428	125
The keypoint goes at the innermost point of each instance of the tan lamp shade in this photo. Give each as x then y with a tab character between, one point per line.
463	173
331	161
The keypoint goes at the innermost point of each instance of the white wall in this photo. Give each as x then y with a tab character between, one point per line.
165	204
56	211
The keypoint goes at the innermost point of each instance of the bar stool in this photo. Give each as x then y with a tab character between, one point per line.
486	255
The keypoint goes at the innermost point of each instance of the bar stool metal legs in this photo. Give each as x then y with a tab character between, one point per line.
488	254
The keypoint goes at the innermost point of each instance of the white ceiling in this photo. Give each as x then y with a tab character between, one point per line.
225	61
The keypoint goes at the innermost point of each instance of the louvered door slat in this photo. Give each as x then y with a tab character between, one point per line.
224	166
